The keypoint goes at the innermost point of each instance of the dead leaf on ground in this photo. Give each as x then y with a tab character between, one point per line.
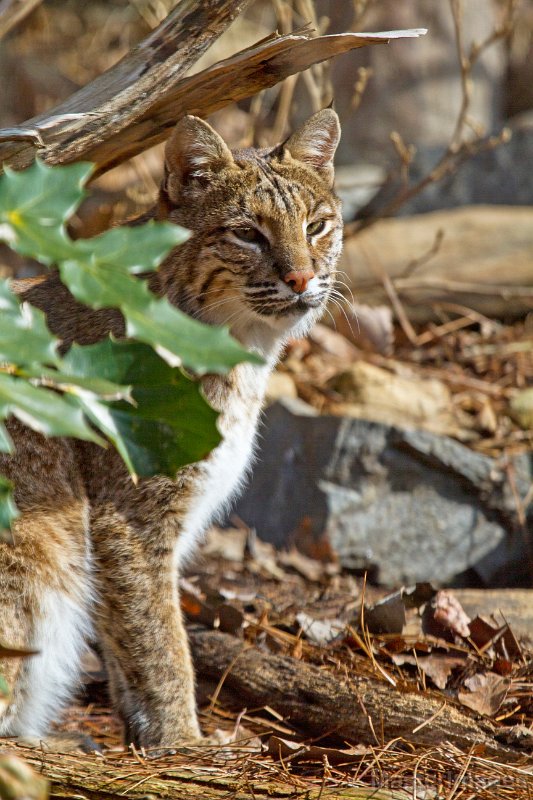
419	594
387	615
445	615
437	666
317	548
369	327
210	611
283	749
309	568
333	342
228	544
501	639
519	736
319	631
487	693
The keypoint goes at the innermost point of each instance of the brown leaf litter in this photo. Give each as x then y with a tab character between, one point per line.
416	639
468	380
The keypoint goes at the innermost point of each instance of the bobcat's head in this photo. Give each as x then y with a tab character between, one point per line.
266	225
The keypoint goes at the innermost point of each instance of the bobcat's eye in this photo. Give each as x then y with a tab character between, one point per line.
316	227
248	235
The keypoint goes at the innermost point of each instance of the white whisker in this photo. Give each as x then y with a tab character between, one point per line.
341	309
342	283
212	306
332	318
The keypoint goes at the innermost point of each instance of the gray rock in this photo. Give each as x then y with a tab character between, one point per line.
407	505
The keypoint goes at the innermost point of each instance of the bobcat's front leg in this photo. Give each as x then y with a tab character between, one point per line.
143	637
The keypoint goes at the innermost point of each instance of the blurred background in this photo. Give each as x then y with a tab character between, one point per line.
398	437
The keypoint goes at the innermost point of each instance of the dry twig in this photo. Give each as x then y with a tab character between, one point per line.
461	146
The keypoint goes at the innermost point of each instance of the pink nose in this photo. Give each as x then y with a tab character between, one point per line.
298	279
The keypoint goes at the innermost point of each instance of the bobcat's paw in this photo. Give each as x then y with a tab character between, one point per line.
218	741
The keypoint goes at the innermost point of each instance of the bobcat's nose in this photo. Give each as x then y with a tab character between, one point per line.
298	279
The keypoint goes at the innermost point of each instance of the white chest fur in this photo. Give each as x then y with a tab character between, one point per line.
223	471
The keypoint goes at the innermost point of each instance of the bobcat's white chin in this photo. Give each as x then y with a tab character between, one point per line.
295	324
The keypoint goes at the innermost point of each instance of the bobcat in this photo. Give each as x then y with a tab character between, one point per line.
96	554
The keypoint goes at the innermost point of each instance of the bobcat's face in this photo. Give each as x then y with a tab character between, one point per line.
267	229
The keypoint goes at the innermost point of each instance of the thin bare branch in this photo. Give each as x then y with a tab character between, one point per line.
461	146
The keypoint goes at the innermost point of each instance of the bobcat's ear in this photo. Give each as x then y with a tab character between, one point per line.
316	141
195	150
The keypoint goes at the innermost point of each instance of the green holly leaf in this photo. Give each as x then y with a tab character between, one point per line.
43	410
169	423
8	509
180	339
34	204
135	249
24	335
6	445
41	194
76	385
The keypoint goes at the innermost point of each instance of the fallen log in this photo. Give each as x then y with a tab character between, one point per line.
477	257
317	702
312	700
177	777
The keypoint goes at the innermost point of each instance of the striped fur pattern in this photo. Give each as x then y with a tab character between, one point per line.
95	552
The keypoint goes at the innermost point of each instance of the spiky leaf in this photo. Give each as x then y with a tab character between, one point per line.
46	412
169	423
24	335
135	249
34	205
8	509
41	194
97	271
176	336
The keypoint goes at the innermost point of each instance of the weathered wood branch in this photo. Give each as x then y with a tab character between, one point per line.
233	79
14	11
126	91
133	106
317	702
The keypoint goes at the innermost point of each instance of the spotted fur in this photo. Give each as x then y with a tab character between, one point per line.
91	548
